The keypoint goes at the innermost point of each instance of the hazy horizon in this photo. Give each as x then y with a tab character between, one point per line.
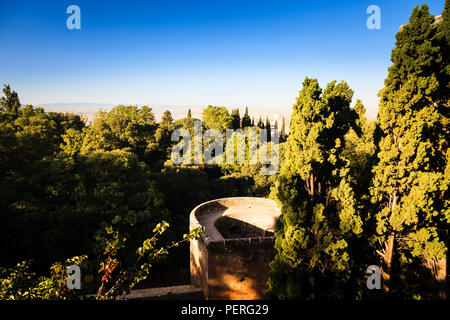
178	112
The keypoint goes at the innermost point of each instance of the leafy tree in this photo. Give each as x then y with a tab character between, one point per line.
276	128
283	131
10	103
189	114
217	118
360	151
77	142
410	184
246	121
56	193
186	123
20	283
260	123
33	133
120	277
163	137
442	39
129	128
319	218
247	180
236	122
268	129
117	277
166	120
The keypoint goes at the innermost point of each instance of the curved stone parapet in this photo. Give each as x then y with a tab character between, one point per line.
259	213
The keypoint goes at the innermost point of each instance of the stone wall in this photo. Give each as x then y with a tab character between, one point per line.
232	269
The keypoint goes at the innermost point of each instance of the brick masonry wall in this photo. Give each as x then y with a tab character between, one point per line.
238	269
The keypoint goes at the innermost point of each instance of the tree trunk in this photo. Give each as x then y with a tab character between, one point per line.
389	249
311	183
387	262
311	281
441	278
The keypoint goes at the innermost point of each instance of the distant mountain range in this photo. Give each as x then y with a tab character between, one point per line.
88	110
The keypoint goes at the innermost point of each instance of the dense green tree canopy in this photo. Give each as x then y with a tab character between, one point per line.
129	128
246	121
10	103
409	182
64	180
217	118
319	213
236	122
166	120
283	131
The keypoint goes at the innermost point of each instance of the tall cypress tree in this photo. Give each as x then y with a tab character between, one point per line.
276	129
411	179
283	131
319	213
246	121
189	114
443	39
10	103
260	123
236	122
166	119
268	129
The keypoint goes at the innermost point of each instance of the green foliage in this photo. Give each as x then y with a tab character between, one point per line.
62	192
10	103
120	276
129	128
117	276
260	123
268	129
65	184
360	151
217	118
166	120
283	131
320	217
162	137
76	142
410	188
20	283
246	121
236	122
246	180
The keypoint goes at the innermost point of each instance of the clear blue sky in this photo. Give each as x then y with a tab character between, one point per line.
228	53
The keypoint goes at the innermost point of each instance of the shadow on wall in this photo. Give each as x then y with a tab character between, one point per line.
232	287
238	268
232	228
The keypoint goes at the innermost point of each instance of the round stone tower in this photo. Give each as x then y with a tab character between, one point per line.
231	260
